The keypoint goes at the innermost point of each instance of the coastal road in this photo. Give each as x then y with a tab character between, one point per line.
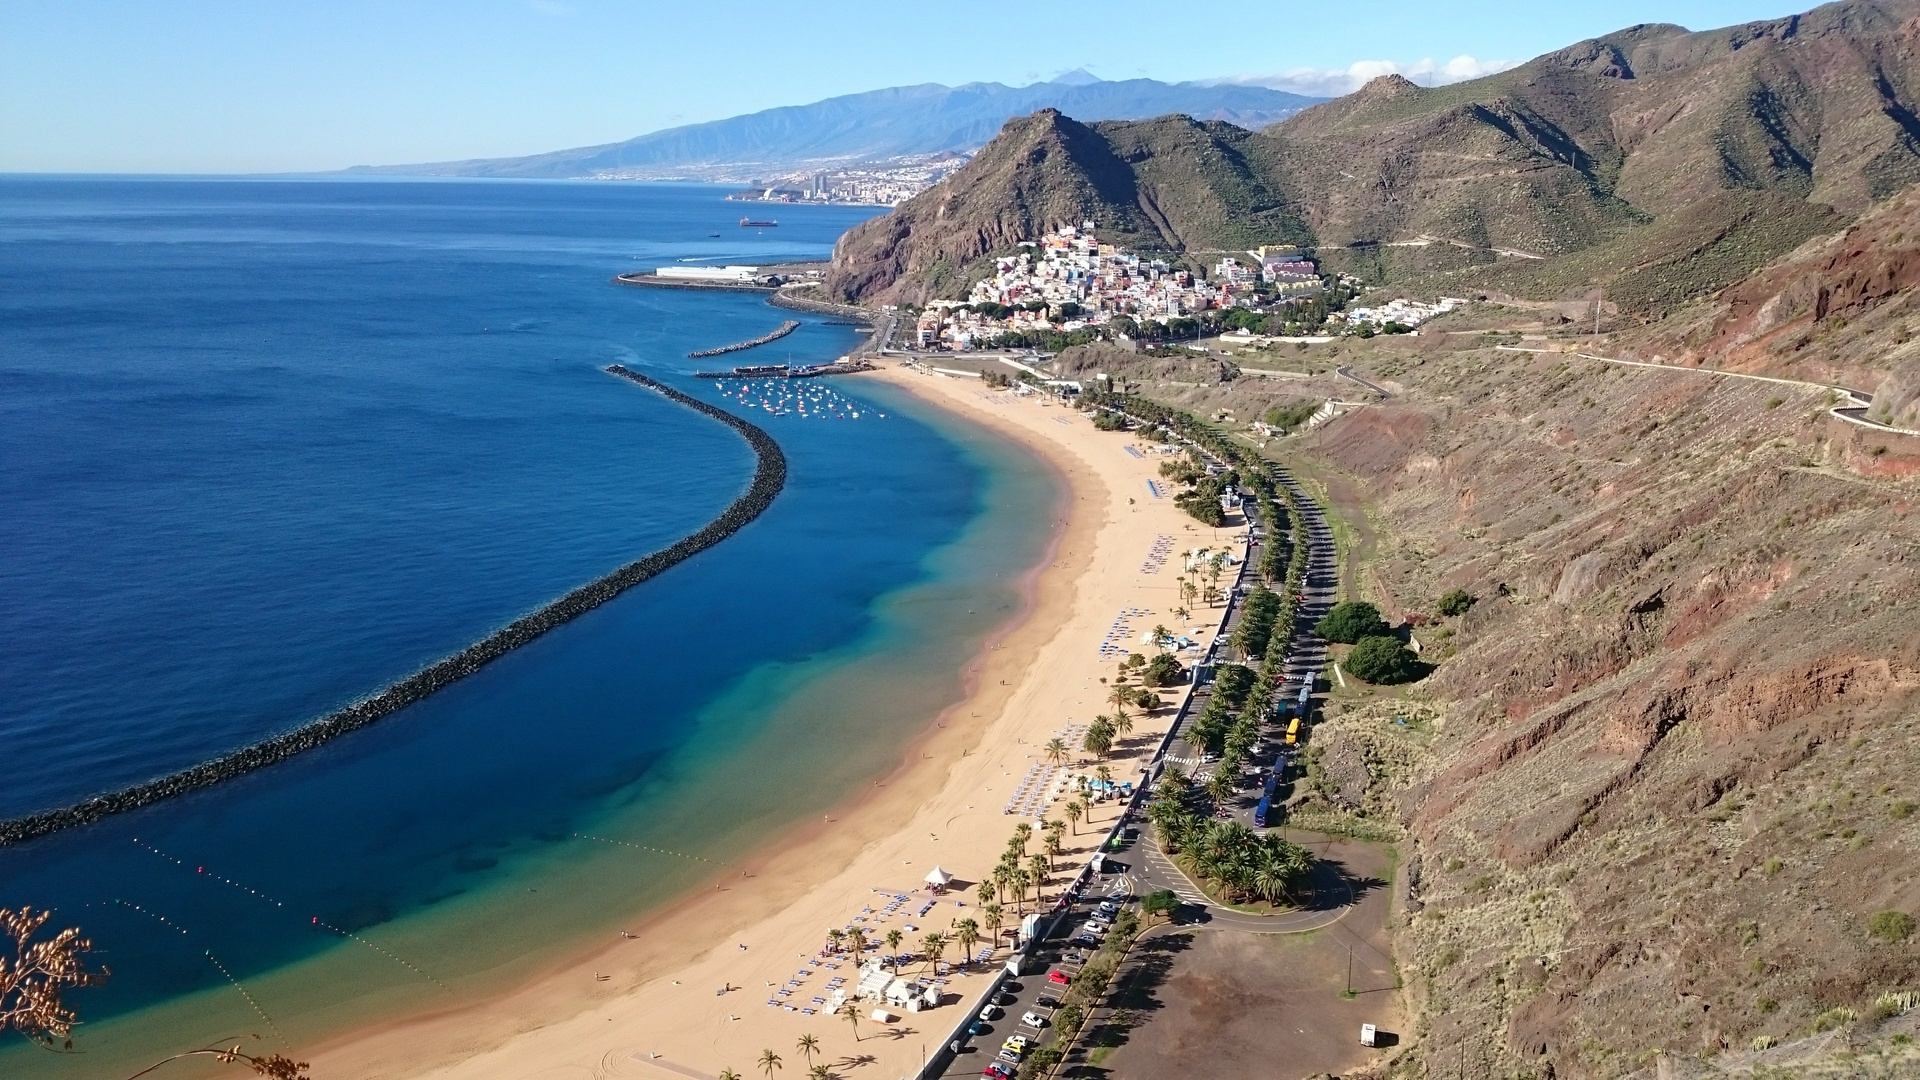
1306	661
1854	411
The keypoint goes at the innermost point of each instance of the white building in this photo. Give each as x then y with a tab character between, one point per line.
737	274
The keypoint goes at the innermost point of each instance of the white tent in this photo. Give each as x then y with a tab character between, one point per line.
938	877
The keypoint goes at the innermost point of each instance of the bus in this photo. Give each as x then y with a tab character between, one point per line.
1260	812
1293	731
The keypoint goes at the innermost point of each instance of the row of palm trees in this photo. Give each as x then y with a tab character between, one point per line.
1244	864
770	1061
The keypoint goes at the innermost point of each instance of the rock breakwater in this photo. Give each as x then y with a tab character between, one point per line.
769	477
776	334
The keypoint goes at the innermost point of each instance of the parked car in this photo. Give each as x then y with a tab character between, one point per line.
999	1070
1004	999
1048	1001
1058	978
1015	1043
979	1027
991	1012
1088	940
1034	1020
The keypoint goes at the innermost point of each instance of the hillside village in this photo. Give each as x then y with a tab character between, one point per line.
1071	283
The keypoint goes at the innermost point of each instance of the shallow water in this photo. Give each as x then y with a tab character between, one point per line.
268	446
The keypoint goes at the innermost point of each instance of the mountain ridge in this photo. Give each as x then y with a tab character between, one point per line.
1633	162
900	121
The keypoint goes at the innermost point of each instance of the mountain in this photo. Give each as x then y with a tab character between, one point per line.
1655	162
897	122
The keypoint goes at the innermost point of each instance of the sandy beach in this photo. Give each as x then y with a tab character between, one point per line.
653	1003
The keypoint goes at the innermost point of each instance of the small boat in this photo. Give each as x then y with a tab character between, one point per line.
714	235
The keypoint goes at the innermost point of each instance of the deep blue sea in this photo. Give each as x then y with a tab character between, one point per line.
266	446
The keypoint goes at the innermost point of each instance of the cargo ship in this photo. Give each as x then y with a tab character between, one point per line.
748	224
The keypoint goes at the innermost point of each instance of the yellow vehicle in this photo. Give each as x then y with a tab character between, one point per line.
1293	731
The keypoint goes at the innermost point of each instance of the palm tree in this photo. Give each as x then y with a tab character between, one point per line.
1120	696
993	913
1021	833
856	943
1161	636
819	1072
1039	867
935	944
809	1046
835	937
967	933
769	1061
728	1074
1122	723
1220	785
1018	881
1181	612
1056	751
852	1013
1074	809
894	938
1099	738
1053	847
1105	773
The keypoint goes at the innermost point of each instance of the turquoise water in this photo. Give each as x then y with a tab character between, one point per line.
268	446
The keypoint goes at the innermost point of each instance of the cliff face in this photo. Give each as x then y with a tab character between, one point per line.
1669	790
1657	163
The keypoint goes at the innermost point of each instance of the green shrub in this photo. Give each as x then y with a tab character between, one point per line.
1164	670
1894	926
1350	621
1456	602
1383	661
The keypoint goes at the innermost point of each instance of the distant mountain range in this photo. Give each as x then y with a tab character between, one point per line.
902	121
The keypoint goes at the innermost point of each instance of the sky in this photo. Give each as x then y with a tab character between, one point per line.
221	86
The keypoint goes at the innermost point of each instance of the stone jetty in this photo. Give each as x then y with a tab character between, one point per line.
783	330
769	477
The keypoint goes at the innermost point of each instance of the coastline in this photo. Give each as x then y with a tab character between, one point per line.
659	997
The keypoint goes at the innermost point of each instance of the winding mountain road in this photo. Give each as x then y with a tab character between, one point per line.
1854	413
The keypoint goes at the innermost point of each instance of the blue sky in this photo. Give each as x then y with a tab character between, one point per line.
212	86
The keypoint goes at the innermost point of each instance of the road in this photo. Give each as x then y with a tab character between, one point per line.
1134	865
1854	412
1346	372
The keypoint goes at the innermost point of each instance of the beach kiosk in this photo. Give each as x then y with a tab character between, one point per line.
938	880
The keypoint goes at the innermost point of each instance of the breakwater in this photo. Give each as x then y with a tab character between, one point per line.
776	334
769	477
655	281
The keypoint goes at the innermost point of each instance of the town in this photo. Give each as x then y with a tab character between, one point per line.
888	182
1069	288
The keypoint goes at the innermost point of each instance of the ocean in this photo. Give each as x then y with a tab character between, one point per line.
267	446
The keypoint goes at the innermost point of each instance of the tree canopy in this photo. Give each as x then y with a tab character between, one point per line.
1350	621
1384	661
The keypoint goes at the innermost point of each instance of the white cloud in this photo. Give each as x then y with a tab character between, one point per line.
1333	82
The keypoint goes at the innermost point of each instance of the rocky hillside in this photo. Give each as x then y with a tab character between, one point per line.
1661	786
1839	309
1156	185
1655	162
